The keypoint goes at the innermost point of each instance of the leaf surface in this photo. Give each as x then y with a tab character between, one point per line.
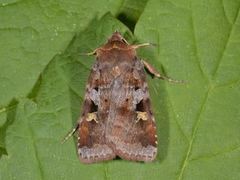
43	83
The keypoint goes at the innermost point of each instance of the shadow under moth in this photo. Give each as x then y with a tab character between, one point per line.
116	119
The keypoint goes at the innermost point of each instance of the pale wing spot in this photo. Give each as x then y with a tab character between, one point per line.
116	71
92	116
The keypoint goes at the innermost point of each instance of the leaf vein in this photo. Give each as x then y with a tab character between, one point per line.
178	125
189	149
225	47
196	47
212	155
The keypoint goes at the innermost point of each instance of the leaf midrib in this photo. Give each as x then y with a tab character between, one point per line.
189	149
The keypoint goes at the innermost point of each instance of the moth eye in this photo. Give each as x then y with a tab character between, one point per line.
105	100
127	100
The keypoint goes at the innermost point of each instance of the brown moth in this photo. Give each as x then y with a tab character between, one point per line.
116	119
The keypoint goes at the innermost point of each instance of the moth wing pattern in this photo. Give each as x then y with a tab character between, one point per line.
117	119
92	146
135	139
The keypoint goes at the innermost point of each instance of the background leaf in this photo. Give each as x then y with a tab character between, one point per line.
43	82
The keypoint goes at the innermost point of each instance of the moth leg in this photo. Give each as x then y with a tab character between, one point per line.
153	71
90	53
135	46
141	115
70	134
92	116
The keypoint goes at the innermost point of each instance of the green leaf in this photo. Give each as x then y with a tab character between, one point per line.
130	12
198	41
33	32
33	141
198	121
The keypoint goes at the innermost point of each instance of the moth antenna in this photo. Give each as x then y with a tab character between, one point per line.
135	46
69	134
125	41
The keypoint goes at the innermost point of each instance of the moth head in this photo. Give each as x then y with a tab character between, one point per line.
116	37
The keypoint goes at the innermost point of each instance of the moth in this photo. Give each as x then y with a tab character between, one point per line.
117	119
